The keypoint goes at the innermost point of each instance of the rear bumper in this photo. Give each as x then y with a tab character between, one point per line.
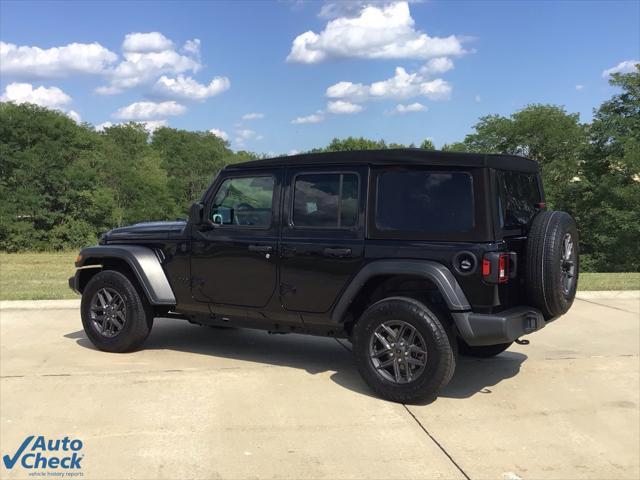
492	328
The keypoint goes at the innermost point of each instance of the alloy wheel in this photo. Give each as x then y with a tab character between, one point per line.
567	264
398	351
108	312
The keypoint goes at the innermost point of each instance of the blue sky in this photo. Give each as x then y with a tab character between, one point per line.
438	65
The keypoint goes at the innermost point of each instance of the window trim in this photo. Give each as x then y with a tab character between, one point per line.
244	227
292	200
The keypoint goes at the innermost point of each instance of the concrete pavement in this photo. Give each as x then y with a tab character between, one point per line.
209	403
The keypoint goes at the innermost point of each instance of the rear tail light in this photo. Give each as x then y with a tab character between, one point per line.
497	267
503	268
486	267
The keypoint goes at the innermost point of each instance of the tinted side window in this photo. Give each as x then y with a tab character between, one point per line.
325	200
519	198
424	202
245	201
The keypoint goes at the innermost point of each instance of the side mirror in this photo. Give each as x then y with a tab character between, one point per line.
195	213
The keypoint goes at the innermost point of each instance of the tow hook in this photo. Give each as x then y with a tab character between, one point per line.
520	341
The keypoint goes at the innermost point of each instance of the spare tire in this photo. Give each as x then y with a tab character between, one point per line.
552	263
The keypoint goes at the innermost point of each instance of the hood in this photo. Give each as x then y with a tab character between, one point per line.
146	231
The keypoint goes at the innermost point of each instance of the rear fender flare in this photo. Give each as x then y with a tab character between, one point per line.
437	273
145	266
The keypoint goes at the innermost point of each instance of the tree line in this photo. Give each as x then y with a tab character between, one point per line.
63	184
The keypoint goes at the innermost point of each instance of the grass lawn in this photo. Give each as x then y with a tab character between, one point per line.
609	281
40	276
36	276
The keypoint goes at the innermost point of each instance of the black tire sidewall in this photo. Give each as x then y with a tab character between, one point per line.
137	313
440	354
543	267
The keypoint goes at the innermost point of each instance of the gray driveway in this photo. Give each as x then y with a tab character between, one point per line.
207	403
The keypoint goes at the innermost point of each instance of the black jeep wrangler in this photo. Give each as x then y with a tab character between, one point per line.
413	255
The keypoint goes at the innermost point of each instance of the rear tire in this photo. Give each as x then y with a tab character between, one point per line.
411	376
115	315
482	351
552	263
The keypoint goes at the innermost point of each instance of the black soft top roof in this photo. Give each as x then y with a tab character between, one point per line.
399	156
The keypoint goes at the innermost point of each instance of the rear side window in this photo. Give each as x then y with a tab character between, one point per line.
519	196
325	200
426	202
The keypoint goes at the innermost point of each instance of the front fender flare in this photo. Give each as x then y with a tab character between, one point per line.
143	262
440	275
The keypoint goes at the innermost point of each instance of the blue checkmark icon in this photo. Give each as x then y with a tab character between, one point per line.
10	462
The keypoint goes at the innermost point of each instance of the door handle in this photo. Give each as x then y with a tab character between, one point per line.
288	251
337	252
261	248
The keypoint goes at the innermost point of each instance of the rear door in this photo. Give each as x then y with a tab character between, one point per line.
322	239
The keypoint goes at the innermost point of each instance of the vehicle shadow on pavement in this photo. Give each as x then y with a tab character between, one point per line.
313	354
472	376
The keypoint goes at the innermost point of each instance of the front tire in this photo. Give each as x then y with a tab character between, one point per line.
403	351
115	315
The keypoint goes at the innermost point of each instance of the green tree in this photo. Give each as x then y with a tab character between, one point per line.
191	160
609	196
47	180
427	144
133	170
455	147
352	143
545	133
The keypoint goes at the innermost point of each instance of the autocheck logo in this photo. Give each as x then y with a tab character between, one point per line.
38	452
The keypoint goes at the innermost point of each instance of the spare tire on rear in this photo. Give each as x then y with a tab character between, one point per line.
552	263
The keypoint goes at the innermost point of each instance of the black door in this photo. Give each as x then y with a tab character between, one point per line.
322	239
233	259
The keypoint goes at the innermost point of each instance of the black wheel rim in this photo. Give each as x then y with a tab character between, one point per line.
108	312
567	265
398	352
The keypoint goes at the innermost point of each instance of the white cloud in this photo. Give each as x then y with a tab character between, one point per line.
149	110
35	62
293	151
342	106
579	87
354	91
146	56
219	133
627	66
75	116
477	98
146	42
385	31
102	126
150	125
51	97
412	107
437	65
252	116
186	88
244	134
337	9
401	86
192	46
313	118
